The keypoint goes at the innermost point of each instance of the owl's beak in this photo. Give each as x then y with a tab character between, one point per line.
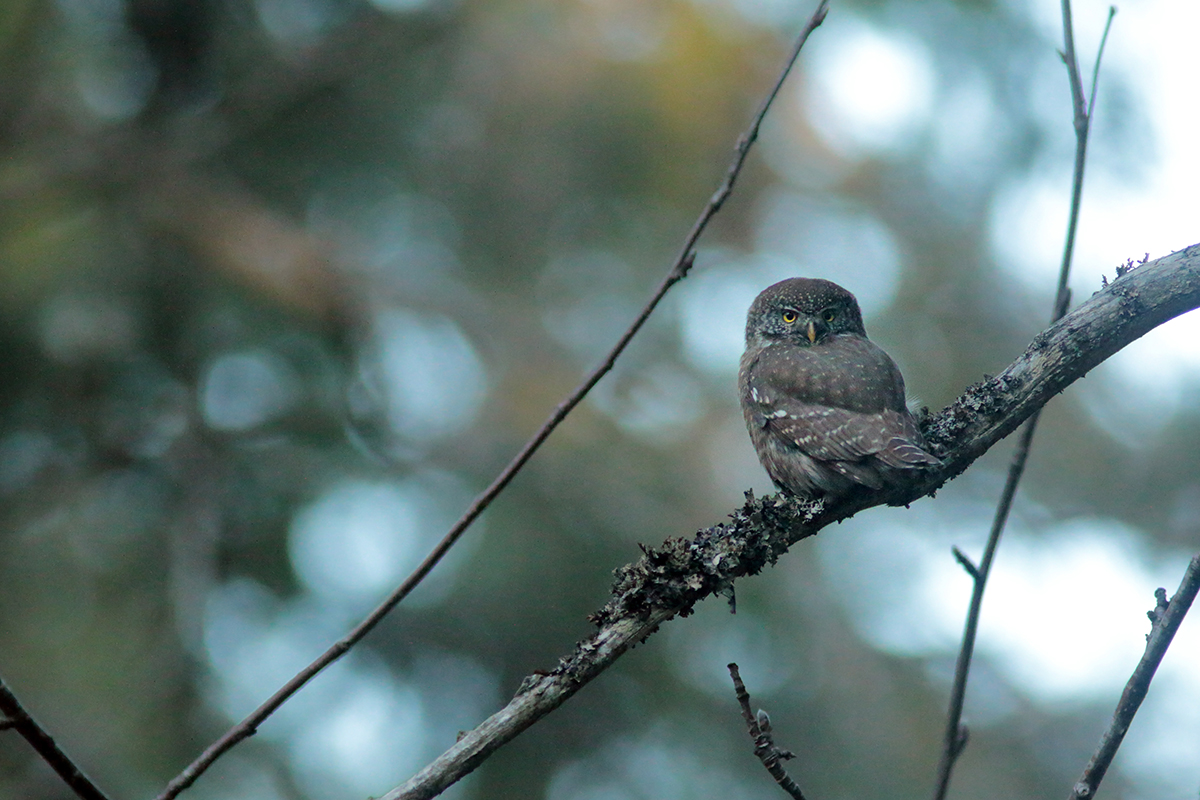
811	332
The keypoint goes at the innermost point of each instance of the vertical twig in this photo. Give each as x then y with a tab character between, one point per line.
19	720
955	738
1082	120
1166	618
248	726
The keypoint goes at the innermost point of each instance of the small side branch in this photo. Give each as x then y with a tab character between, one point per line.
1112	12
966	563
759	727
18	719
1082	120
1166	618
954	741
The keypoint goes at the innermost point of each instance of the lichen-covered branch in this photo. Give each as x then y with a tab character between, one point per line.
669	580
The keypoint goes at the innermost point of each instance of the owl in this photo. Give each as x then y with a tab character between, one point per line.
825	407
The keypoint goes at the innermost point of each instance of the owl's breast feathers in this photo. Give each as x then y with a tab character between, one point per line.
830	415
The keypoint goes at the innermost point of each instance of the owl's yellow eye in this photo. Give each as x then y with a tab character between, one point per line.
829	315
789	316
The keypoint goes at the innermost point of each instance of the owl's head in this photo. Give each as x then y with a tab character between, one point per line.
805	311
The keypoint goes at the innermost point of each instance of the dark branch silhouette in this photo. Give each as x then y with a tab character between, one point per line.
759	727
669	580
679	270
1166	618
19	720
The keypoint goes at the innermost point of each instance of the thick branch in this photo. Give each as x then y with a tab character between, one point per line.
1129	308
669	580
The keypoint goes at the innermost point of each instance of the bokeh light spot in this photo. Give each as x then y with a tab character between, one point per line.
356	540
433	379
359	538
243	390
1079	588
872	90
368	740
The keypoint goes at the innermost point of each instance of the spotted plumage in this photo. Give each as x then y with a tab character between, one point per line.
825	407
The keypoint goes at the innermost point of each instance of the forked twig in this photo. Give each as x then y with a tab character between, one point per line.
679	270
955	738
1166	618
19	720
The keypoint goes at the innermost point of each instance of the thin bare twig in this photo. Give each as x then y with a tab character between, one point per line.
1166	618
1112	12
955	738
1082	121
18	719
248	726
759	727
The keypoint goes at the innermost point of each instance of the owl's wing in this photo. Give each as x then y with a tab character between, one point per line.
908	451
836	412
849	443
827	433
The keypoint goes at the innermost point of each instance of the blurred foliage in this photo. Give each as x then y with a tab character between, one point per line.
267	267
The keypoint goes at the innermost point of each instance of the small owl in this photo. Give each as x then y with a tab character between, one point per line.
825	407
